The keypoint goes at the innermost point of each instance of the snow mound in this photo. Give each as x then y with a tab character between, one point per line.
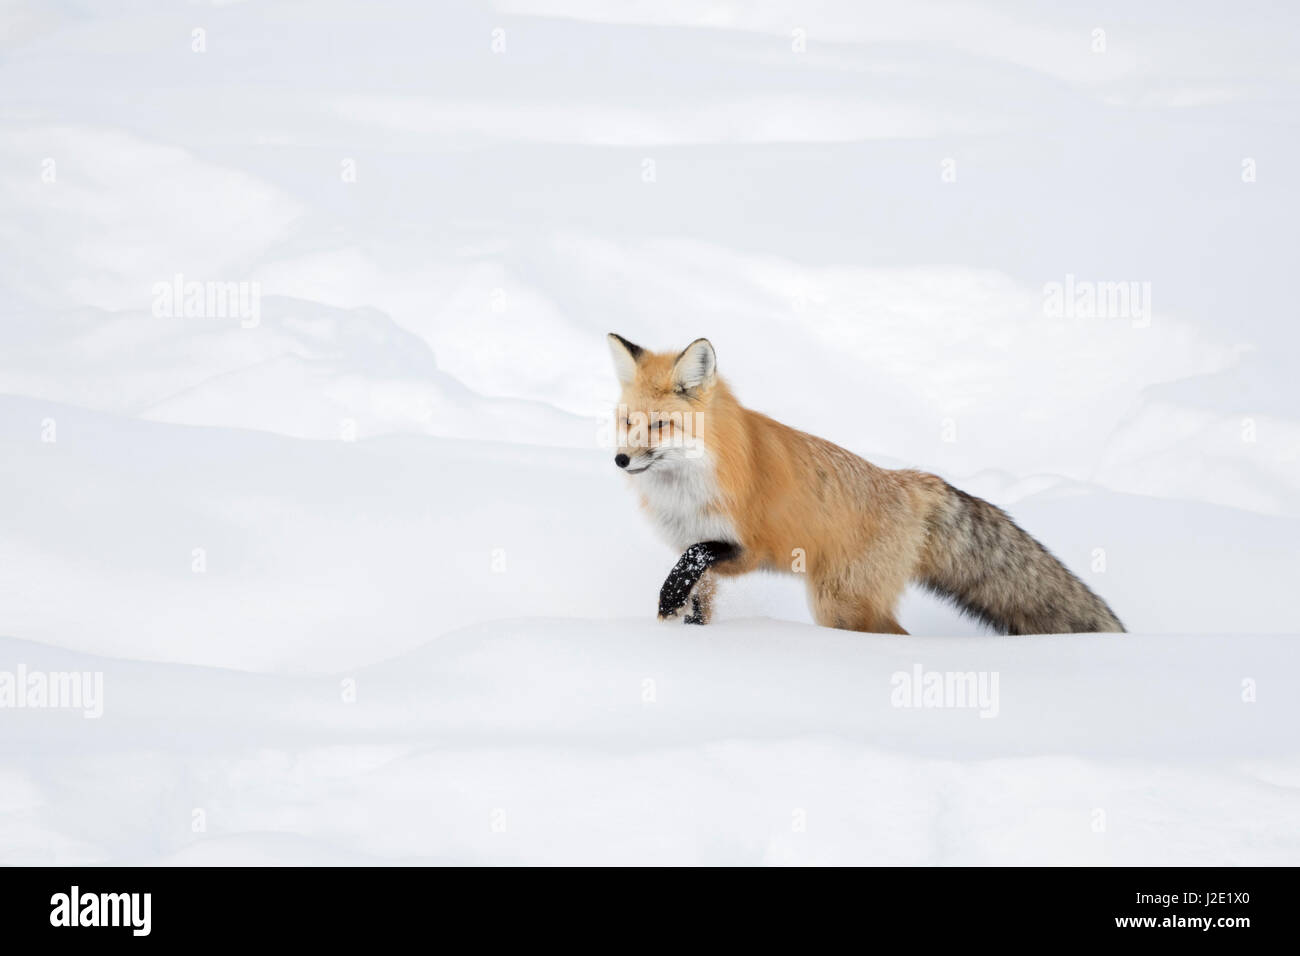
625	741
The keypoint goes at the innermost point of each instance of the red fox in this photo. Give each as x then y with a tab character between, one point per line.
736	491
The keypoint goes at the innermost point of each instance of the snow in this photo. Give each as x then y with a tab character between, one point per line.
536	740
364	586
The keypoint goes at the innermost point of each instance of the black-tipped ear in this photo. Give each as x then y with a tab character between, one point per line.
696	367
625	357
634	350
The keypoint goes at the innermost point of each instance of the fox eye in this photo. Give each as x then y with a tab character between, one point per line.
661	425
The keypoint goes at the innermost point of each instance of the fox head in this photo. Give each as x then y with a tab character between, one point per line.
665	400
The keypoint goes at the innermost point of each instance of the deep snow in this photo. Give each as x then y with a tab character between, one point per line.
622	741
391	485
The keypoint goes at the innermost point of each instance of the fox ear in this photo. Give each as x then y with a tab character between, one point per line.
625	357
696	367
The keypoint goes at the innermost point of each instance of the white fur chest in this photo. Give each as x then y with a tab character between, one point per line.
684	502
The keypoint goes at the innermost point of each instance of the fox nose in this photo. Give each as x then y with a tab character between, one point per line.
621	460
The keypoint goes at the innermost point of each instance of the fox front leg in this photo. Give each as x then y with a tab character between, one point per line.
699	608
686	574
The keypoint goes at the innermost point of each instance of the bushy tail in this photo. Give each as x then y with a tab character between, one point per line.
988	566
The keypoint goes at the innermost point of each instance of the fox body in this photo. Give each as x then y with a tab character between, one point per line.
735	491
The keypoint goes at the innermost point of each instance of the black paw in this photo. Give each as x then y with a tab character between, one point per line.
697	613
695	560
672	597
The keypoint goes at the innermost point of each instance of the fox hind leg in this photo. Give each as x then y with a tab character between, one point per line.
858	618
876	623
849	606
